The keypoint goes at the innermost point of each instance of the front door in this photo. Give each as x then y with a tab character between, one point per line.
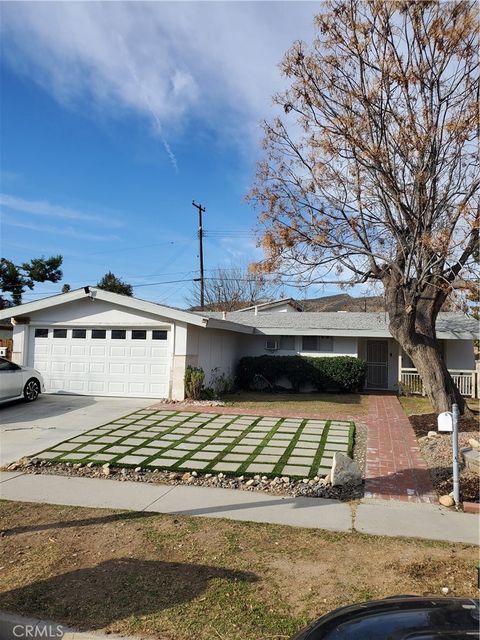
377	364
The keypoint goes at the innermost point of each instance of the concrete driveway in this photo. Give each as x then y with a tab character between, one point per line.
27	428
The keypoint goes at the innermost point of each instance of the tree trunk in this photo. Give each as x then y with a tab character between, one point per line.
412	324
433	371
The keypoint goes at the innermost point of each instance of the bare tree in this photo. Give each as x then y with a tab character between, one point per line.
373	171
228	289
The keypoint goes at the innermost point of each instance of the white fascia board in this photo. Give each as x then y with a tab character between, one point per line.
44	303
457	335
358	333
149	307
226	325
107	296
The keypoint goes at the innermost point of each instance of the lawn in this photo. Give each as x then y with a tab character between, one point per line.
175	578
306	404
416	405
211	443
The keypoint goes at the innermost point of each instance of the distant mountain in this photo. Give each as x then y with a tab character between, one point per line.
344	302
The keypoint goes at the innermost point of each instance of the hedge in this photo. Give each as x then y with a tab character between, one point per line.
336	373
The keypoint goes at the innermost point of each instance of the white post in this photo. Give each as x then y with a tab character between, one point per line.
399	364
456	472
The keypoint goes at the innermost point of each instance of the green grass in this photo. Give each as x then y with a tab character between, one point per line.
304	404
184	459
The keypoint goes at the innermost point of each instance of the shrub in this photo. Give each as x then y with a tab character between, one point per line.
337	373
193	380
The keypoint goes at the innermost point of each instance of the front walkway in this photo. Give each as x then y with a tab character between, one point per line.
395	469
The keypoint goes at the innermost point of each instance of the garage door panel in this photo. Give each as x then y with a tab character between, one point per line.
117	368
118	351
78	350
85	366
59	350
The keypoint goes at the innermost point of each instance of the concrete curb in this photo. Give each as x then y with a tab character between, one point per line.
15	627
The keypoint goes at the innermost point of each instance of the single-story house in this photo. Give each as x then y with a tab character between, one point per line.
94	342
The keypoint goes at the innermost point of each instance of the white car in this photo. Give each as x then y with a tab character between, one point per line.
19	382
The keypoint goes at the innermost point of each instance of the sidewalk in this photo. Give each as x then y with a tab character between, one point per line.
375	517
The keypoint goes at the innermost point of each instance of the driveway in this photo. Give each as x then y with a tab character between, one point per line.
27	428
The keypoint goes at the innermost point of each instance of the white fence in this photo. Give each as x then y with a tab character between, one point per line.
468	382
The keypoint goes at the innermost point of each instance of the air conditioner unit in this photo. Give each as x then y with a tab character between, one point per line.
3	352
271	345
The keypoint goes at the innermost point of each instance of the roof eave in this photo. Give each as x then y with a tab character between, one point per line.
107	296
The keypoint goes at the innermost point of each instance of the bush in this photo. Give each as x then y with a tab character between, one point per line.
337	373
193	380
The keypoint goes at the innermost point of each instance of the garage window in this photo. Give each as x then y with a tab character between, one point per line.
59	333
99	334
79	333
159	335
119	334
41	333
139	335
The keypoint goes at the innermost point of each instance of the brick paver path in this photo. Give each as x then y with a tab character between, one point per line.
395	468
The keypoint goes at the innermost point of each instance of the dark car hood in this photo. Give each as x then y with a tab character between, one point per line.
399	618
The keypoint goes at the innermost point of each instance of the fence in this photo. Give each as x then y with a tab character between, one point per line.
468	382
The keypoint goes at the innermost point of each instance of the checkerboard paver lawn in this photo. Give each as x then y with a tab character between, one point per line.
210	442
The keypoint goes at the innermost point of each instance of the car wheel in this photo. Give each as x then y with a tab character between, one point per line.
31	390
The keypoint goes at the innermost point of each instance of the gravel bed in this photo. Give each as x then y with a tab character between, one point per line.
437	452
317	487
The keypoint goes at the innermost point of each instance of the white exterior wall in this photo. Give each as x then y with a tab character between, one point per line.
459	354
254	345
215	351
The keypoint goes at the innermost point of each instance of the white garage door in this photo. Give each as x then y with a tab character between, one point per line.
104	362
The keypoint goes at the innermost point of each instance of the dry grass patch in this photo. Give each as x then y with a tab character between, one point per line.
417	405
174	578
305	404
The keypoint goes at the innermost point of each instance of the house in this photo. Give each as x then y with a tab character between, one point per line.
94	342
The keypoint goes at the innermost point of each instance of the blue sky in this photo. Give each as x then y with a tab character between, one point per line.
114	116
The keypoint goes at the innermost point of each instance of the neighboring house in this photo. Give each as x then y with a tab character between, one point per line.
94	342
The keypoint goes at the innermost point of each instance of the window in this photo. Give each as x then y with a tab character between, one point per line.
119	334
6	365
323	344
159	335
309	343
99	334
139	335
41	333
287	343
79	333
59	333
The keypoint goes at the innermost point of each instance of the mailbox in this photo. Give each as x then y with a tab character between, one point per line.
445	421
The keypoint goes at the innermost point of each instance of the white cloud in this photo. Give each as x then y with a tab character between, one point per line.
167	61
71	232
44	208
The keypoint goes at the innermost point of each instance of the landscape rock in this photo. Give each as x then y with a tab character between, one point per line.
345	470
471	458
475	444
446	501
106	469
432	434
186	476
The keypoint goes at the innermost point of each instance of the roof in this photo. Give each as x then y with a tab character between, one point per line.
107	296
271	304
343	323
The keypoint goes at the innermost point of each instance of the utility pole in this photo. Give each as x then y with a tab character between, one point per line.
201	210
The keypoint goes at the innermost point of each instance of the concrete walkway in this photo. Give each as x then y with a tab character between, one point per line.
372	517
395	468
